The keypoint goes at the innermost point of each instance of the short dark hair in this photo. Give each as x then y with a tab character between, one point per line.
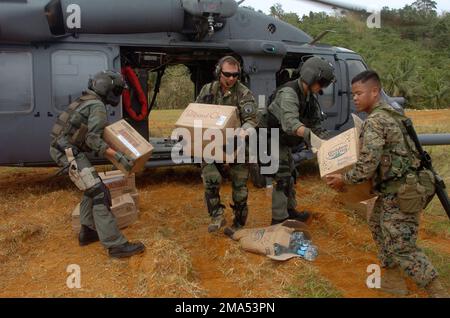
365	76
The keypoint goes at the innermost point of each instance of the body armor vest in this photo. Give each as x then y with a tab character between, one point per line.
70	122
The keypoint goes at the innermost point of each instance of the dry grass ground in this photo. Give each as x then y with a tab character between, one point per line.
182	259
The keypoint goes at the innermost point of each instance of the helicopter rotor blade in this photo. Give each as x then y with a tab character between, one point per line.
364	12
339	5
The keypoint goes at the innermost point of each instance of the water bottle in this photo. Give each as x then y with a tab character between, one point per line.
302	246
311	253
298	245
298	236
280	249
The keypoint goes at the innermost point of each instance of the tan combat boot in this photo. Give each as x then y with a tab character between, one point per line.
392	282
216	223
436	290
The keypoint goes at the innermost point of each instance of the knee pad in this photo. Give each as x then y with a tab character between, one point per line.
284	184
100	195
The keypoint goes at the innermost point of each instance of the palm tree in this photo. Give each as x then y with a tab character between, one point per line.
402	80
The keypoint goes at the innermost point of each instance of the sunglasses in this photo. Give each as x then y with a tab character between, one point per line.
228	74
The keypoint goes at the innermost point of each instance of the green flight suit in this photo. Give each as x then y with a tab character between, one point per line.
291	113
240	96
95	206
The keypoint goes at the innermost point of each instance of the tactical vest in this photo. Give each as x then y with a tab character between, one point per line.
70	122
211	98
395	164
305	113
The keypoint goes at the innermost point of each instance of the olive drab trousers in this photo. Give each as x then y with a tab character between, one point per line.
283	194
212	178
95	211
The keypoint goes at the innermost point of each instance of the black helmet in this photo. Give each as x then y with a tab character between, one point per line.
108	85
317	70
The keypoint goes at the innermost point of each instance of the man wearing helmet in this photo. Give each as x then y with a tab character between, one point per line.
228	90
77	131
296	112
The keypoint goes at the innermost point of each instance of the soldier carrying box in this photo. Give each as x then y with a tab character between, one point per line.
79	130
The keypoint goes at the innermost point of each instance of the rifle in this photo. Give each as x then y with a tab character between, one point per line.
426	162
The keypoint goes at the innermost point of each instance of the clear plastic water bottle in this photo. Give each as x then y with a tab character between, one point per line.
302	246
298	236
311	253
280	249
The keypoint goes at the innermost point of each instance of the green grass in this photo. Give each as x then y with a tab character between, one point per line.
438	221
310	284
162	122
441	262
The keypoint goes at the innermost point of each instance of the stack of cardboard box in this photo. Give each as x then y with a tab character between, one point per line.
125	199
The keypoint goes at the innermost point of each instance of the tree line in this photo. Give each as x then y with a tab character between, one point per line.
411	50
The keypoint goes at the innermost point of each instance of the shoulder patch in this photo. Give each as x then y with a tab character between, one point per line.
249	109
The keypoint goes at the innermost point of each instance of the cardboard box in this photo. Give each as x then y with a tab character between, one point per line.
364	208
197	118
338	155
135	197
118	183
123	208
122	137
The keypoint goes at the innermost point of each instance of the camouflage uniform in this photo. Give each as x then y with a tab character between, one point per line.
95	207
387	155
291	113
240	96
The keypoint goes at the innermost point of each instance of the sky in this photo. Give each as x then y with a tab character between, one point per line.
304	7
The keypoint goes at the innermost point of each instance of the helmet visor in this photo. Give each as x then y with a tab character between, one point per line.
117	90
325	82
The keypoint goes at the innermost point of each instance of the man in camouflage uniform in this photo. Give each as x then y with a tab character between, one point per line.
296	111
79	130
228	90
389	158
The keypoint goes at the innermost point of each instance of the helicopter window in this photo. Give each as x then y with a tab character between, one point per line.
16	82
71	71
354	68
326	100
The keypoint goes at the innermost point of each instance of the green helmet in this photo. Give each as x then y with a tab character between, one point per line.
108	85
317	70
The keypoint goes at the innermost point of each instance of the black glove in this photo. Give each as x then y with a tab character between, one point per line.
124	160
307	137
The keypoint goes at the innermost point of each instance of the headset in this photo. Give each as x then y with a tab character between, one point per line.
228	58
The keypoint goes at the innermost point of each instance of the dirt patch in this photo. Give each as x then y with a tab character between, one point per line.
182	259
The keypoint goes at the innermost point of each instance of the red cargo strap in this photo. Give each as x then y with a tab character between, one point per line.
133	81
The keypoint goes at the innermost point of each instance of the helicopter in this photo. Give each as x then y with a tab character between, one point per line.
49	50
